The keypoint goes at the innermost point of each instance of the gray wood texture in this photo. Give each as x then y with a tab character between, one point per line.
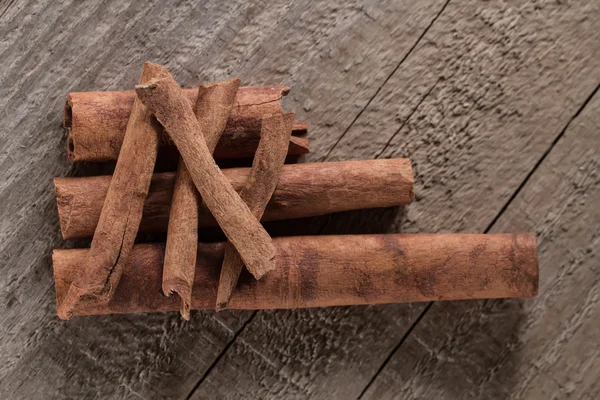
477	94
547	347
465	108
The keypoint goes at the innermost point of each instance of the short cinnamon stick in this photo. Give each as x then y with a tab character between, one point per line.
96	122
304	190
264	175
318	271
166	101
121	212
212	109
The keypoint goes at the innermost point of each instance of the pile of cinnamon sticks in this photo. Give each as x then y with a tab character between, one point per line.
159	120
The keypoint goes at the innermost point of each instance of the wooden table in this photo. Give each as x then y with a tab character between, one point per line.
497	105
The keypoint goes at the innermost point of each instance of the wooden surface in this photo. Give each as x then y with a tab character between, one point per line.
496	105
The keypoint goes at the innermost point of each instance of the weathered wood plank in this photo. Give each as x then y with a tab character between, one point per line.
535	349
334	54
48	50
484	94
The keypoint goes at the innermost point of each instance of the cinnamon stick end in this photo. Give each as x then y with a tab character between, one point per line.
145	91
63	203
185	309
263	268
183	290
80	298
66	309
231	81
70	148
411	179
527	255
68	113
68	124
146	88
64	313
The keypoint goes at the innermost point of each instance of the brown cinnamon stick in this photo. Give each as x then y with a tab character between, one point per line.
264	175
166	101
96	123
121	212
212	109
318	271
304	190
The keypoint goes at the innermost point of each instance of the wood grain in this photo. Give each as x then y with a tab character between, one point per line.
303	190
319	271
542	347
457	105
512	75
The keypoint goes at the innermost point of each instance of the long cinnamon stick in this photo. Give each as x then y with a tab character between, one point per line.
165	100
212	109
318	271
96	123
121	212
304	190
264	175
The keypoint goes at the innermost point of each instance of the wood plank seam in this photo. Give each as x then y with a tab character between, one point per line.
221	354
10	3
414	110
103	70
543	157
434	19
389	356
233	339
152	377
408	53
487	229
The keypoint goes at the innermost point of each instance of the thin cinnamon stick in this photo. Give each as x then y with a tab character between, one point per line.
96	122
304	190
121	212
212	109
165	100
264	176
318	271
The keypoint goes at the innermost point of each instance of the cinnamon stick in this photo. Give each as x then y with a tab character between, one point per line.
212	109
318	271
166	101
121	212
96	122
264	175
304	190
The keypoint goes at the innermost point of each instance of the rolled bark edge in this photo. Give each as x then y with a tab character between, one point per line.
336	270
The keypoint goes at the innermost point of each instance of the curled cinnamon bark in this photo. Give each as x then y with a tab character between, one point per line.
304	190
212	109
96	122
268	162
122	209
320	271
165	100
